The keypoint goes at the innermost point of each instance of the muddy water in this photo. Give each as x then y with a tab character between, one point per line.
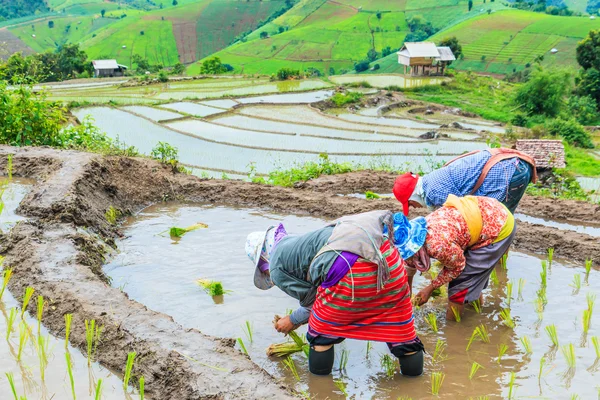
160	273
590	230
16	190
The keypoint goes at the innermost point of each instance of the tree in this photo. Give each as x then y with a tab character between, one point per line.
361	66
372	54
588	84
588	51
212	66
102	12
572	131
386	51
583	109
470	5
544	92
178	69
175	2
287	73
264	35
50	24
454	45
142	33
378	14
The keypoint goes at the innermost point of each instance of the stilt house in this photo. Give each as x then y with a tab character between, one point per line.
424	58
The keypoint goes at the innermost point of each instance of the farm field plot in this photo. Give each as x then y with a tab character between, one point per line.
13	44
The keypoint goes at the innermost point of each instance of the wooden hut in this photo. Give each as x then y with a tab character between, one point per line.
108	68
424	58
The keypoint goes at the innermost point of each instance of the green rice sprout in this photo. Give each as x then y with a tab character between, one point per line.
506	318
341	386
474	368
591	299
551	331
23	336
98	395
248	331
176	232
242	346
40	312
213	288
521	286
9	166
502	349
43	355
503	261
541	295
596	344
128	369
142	384
509	289
481	333
112	215
371	195
438	353
26	298
511	385
456	313
494	278
431	319
6	275
526	344
542	364
477	306
550	255
92	337
11	382
12	316
389	364
587	319
288	348
544	274
576	285
539	308
568	352
369	347
575	397
291	366
70	372
68	320
437	379
588	269
344	360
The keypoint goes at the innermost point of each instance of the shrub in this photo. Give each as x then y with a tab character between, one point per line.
340	99
309	170
573	132
361	66
165	153
162	76
287	73
583	108
519	119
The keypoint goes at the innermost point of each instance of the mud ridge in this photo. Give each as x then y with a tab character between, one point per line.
60	250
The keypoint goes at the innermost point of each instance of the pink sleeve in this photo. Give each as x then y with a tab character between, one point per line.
450	255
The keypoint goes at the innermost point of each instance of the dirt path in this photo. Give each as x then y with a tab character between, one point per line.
60	250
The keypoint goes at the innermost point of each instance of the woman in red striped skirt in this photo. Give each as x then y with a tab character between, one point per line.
351	283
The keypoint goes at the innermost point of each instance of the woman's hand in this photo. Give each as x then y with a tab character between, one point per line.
423	296
284	325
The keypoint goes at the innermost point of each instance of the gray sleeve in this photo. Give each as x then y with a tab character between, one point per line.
300	316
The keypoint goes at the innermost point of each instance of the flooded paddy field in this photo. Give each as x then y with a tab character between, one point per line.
385	80
171	267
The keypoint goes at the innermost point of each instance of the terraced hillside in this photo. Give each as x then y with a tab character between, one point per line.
333	35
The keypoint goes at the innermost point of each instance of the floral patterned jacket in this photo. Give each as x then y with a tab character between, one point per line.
448	236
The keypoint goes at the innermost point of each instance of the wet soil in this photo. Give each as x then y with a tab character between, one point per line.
62	246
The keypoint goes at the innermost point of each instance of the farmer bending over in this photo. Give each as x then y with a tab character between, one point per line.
502	174
468	236
350	281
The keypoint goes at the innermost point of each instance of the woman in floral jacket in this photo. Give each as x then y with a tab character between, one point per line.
469	236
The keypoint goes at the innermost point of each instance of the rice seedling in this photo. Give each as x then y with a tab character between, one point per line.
474	368
504	261
544	274
588	269
481	333
344	360
40	312
128	369
456	313
26	298
176	232
591	299
371	195
43	355
112	215
11	382
213	288
526	344
341	386
550	255
248	331
242	346
23	336
7	274
576	285
438	353
502	349
68	319
551	331
477	306
12	316
142	384
509	289
568	351
541	296
92	337
369	347
506	318
575	397
542	364
98	395
288	348
511	385
494	278
596	344
437	379
431	319
521	286
289	364
389	364
539	308
9	166
587	319
70	372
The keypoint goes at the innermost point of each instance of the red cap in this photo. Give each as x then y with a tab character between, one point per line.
404	188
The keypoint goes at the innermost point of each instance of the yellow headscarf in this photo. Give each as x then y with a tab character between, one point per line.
468	207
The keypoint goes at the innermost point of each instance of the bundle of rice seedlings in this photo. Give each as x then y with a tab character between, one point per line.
526	344
576	285
476	306
341	386
128	369
438	354
287	348
389	364
176	232
544	274
213	288
502	349
437	379
26	298
242	346
7	274
474	368
289	364
68	320
481	333
542	363
568	351
431	319
521	286
456	313
550	255
506	318
596	344
552	334
511	385
588	269
12	316
509	289
92	337
371	195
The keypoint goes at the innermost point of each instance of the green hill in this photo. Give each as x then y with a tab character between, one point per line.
336	34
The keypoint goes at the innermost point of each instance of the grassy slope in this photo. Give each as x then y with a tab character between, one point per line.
321	35
510	39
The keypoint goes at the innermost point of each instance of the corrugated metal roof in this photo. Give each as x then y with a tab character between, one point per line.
404	53
422	49
446	54
105	64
